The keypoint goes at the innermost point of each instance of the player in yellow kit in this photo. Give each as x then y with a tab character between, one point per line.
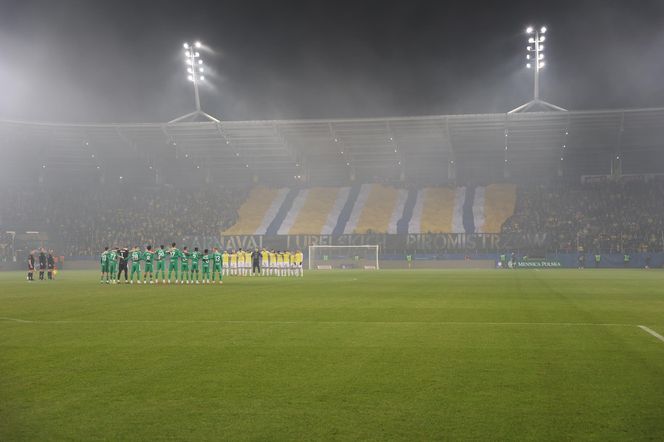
280	263
272	266
247	263
265	262
240	262
287	263
226	260
299	258
233	261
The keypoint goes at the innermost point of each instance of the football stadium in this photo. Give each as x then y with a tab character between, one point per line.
491	275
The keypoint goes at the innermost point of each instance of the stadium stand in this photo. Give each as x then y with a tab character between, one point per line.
408	208
313	215
346	210
358	208
499	202
253	211
438	210
378	210
398	211
83	219
607	217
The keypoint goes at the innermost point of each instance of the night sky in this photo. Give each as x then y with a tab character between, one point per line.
122	61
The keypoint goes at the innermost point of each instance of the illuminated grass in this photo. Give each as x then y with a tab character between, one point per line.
540	355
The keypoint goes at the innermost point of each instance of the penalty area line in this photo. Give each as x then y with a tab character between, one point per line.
651	332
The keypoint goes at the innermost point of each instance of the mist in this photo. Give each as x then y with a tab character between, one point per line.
121	61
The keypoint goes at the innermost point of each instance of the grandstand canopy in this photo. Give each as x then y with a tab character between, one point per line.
477	147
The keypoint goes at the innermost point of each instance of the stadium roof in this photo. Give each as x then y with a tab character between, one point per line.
529	143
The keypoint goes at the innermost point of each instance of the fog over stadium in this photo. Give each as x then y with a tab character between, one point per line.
120	61
331	220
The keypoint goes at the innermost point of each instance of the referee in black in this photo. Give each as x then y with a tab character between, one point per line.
42	264
50	264
256	262
124	256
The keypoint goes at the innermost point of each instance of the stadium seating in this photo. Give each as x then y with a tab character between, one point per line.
499	204
437	210
313	215
253	211
377	212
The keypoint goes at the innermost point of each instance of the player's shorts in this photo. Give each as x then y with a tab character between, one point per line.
173	265
194	267
216	268
184	267
233	265
206	269
135	267
104	268
149	268
160	265
112	268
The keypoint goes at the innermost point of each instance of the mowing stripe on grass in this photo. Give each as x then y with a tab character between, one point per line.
230	321
652	332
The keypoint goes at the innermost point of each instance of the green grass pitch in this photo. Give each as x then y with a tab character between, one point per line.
388	355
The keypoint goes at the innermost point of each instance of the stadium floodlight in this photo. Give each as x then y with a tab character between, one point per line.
194	69
535	61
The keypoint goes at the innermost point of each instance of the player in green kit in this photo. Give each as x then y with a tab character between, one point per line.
174	254
216	264
135	257
195	256
113	264
205	259
184	266
148	257
160	258
103	261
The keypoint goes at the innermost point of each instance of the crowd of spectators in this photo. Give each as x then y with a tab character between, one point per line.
83	220
608	217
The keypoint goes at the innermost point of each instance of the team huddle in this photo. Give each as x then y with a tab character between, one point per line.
194	267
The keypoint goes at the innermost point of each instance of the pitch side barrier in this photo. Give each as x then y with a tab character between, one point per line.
418	243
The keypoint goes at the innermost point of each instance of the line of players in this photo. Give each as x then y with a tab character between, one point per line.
184	265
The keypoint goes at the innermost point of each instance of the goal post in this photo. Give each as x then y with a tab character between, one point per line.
322	257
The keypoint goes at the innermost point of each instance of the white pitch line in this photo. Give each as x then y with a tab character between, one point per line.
14	320
220	321
652	332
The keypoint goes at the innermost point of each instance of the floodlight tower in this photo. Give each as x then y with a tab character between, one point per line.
195	74
535	61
